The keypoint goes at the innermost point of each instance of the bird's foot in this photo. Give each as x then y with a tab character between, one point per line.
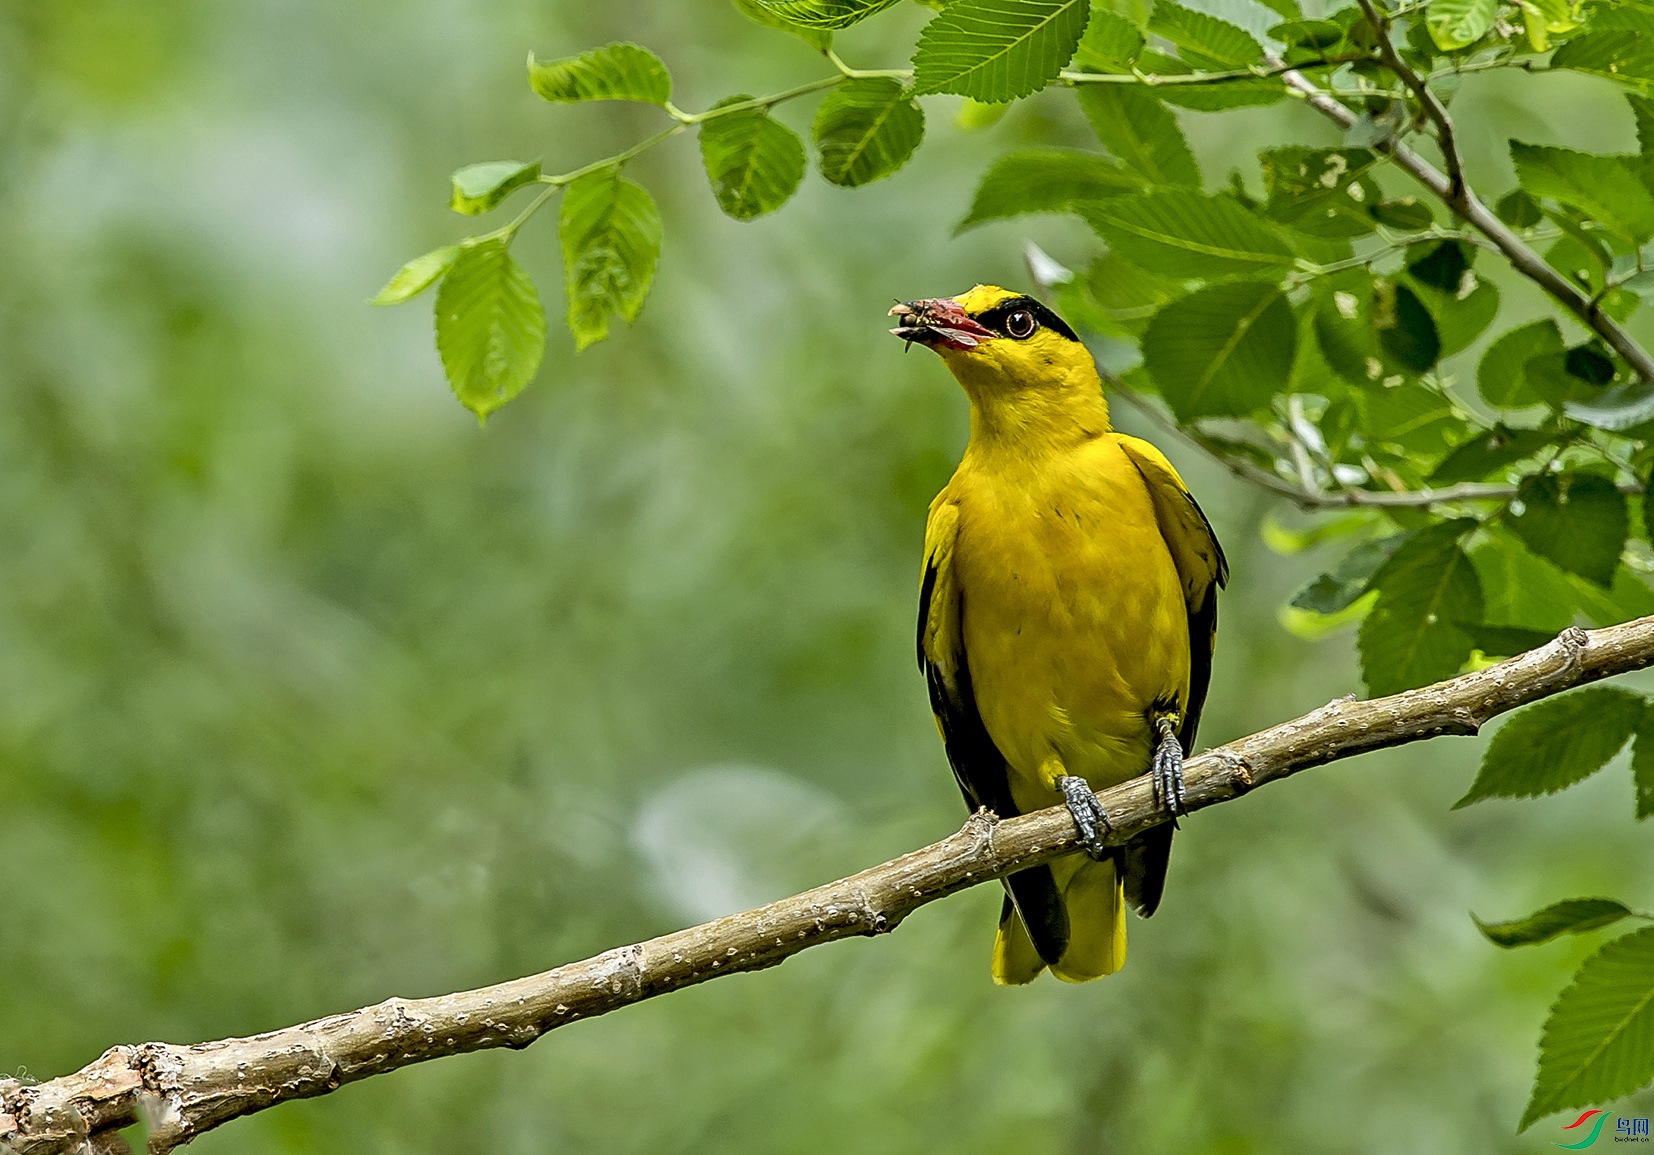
1088	814
1167	770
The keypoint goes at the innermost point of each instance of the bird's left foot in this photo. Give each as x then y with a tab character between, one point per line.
1167	769
1088	814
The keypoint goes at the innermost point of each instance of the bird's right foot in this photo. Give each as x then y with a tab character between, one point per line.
1088	814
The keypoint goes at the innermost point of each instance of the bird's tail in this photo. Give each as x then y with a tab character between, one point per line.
1093	897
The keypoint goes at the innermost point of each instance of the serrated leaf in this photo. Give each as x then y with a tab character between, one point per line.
1409	638
1418	422
1518	210
416	276
1501	379
1555	743
1110	44
1373	329
1520	589
1338	589
1222	351
1579	521
1455	24
1406	213
479	188
1325	192
610	232
1494	449
1045	180
1642	110
1315	35
614	72
1185	234
998	50
1233	93
1202	40
755	162
818	38
1142	132
1642	765
1603	187
1599	1040
865	130
1460	316
1621	55
1570	916
490	327
829	14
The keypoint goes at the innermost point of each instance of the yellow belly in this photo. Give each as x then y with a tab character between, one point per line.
1073	616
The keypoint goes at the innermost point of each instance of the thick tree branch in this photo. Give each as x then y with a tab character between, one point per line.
186	1090
1459	197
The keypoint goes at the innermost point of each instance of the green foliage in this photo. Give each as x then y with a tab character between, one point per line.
613	72
490	327
1577	520
1555	743
1603	187
1046	180
1338	589
1495	449
1501	375
479	188
1410	638
1325	192
1599	1040
755	162
610	231
828	14
865	130
1456	24
1642	765
417	275
995	50
756	10
1571	916
1186	234
1220	350
1142	132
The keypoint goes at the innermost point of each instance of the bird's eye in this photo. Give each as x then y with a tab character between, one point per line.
1021	324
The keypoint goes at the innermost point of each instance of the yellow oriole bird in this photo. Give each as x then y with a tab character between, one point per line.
1066	620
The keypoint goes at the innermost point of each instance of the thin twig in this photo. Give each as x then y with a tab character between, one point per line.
1459	194
184	1091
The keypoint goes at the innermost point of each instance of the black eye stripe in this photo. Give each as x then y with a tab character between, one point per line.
996	317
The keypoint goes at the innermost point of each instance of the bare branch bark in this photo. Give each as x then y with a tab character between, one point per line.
1459	197
187	1090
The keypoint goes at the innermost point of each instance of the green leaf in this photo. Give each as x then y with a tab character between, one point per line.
1185	234
1142	132
1460	316
1409	638
490	327
997	50
1503	641
1555	743
1415	421
818	38
1455	24
1603	187
1325	192
1518	210
1571	916
479	188
610	232
1224	350
613	72
1642	765
1314	35
1579	521
417	275
1620	55
1440	264
1406	213
829	14
1481	455
1599	1040
1500	378
753	160
1642	109
1046	180
1233	93
865	130
1373	329
1338	589
1110	43
1203	41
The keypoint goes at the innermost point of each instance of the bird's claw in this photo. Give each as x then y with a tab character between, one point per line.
1088	814
1166	773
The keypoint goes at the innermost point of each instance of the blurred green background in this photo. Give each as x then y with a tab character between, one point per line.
312	692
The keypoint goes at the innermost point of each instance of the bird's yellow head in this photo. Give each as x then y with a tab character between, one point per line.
1007	350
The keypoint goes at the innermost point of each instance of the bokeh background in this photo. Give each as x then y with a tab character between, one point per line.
312	692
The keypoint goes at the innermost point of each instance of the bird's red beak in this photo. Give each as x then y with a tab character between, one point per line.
938	322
